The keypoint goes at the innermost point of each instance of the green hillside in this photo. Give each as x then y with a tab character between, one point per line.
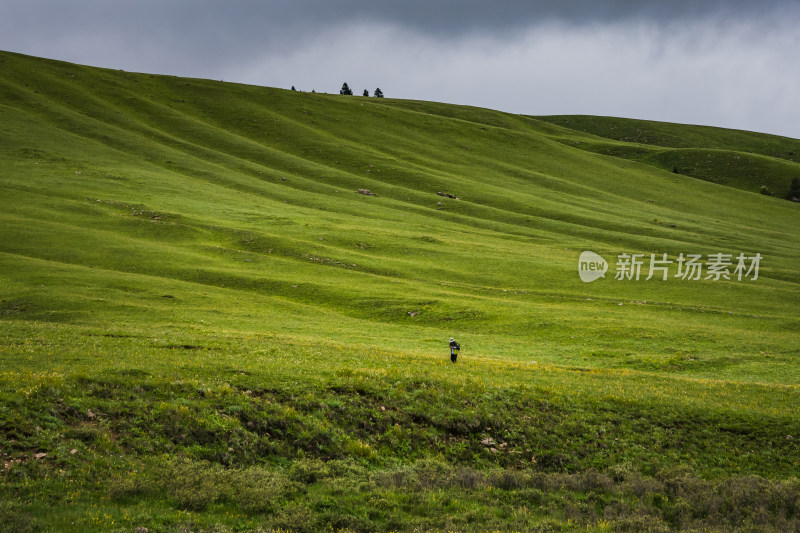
227	307
741	159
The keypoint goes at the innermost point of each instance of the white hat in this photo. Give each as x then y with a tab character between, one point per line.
452	339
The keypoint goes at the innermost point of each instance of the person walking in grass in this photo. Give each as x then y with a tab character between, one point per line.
454	349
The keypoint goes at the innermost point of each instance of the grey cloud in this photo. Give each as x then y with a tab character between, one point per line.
234	25
456	17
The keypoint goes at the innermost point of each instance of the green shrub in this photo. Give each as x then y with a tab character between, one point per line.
258	490
308	471
14	518
196	485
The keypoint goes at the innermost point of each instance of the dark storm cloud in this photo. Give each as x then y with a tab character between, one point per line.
455	17
211	30
217	29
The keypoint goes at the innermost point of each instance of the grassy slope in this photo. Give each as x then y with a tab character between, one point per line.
191	260
741	159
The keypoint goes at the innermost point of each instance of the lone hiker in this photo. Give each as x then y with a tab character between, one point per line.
454	349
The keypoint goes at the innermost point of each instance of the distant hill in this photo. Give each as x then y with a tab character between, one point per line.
741	159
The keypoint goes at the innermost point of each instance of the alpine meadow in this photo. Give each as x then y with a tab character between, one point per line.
227	308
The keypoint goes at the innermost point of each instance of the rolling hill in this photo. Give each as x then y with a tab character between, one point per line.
228	306
741	159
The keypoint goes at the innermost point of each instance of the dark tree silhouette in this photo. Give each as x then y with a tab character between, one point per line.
293	88
346	90
378	93
794	189
366	93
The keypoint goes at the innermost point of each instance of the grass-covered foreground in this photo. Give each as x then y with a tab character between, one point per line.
205	327
208	428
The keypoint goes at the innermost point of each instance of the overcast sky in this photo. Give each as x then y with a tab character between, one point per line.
733	63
